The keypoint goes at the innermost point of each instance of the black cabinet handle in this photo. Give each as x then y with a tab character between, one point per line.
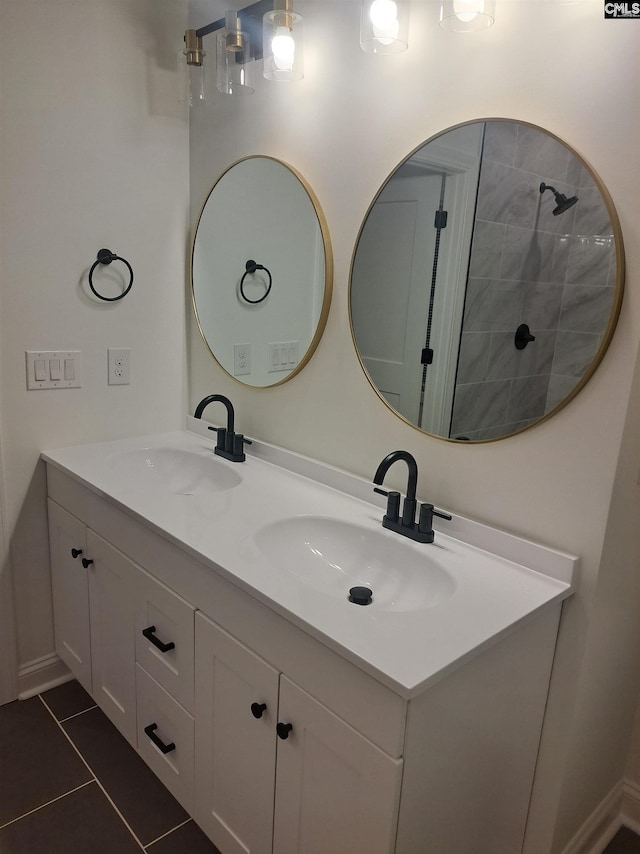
283	730
163	647
76	553
86	562
257	709
162	747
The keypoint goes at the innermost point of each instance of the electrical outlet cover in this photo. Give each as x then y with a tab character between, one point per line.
119	360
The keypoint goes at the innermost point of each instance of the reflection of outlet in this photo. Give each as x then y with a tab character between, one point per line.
241	359
119	361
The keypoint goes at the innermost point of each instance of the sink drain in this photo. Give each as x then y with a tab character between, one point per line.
360	595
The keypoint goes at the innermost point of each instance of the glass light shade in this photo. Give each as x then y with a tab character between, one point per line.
467	16
191	86
234	64
282	45
384	26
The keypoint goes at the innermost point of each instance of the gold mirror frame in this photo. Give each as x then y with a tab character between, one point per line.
328	271
607	334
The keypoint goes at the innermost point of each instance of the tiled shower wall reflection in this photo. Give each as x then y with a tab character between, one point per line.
555	273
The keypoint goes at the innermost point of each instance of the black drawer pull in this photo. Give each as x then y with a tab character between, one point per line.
283	730
257	709
162	747
150	636
76	553
86	562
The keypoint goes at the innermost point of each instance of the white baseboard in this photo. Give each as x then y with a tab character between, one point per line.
41	674
601	826
620	807
630	811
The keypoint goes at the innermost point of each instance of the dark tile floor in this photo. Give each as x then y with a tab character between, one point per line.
70	784
624	842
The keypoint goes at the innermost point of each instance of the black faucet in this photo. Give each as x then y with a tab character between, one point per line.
422	531
229	444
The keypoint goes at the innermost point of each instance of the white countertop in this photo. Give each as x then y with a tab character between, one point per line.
499	580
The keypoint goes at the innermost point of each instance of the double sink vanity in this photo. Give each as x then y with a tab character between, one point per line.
205	604
309	667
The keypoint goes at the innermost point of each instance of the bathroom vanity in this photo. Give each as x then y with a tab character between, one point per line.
204	605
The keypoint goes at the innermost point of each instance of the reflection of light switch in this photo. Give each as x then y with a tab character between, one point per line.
283	356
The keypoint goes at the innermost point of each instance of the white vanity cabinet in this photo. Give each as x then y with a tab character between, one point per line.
263	740
204	675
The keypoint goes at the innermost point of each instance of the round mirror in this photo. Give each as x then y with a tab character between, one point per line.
261	271
486	281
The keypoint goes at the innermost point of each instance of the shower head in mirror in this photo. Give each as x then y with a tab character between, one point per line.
562	202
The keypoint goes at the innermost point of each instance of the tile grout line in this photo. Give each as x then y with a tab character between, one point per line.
104	791
168	833
48	803
77	714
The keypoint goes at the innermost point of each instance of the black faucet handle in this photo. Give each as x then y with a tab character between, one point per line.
221	433
427	512
237	448
393	503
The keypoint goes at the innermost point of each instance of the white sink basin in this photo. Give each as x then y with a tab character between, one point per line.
331	556
177	470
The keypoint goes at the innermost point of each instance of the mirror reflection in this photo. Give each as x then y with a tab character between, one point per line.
261	272
486	281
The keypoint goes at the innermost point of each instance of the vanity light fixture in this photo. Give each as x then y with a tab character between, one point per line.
384	26
282	41
234	63
240	46
467	16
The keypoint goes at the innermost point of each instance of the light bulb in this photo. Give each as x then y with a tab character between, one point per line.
383	15
283	47
467	10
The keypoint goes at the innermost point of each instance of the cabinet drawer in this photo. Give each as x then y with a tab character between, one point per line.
164	638
165	738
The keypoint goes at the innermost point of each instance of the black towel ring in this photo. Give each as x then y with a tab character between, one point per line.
106	256
251	267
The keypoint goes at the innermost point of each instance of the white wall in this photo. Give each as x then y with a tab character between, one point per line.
94	154
345	128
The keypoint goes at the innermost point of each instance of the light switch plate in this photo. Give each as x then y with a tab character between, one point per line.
53	369
283	356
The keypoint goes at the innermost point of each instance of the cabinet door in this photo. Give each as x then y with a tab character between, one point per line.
335	791
111	594
235	759
70	590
